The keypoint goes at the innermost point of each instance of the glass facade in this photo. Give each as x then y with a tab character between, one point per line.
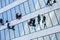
22	29
4	3
49	37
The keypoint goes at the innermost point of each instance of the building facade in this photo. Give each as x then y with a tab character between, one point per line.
30	9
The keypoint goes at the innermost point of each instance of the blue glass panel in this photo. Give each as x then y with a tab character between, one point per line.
37	6
46	38
13	13
53	37
26	28
2	35
11	34
45	1
16	31
58	36
5	17
41	38
9	15
31	5
58	15
0	15
7	2
42	3
26	7
22	9
21	30
53	18
17	9
10	1
48	20
3	3
7	34
0	4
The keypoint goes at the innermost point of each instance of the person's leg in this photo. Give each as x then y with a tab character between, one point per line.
9	27
44	25
13	27
2	22
47	2
19	16
54	1
33	24
6	21
38	21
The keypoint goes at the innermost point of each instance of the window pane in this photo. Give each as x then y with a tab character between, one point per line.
31	5
9	15
3	3
42	4
26	27
7	2
45	1
48	21
11	33
0	4
16	31
53	37
5	17
13	13
21	30
0	15
41	38
26	7
32	28
37	6
7	34
2	35
22	9
17	9
38	27
10	1
58	14
53	18
46	38
34	39
58	36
